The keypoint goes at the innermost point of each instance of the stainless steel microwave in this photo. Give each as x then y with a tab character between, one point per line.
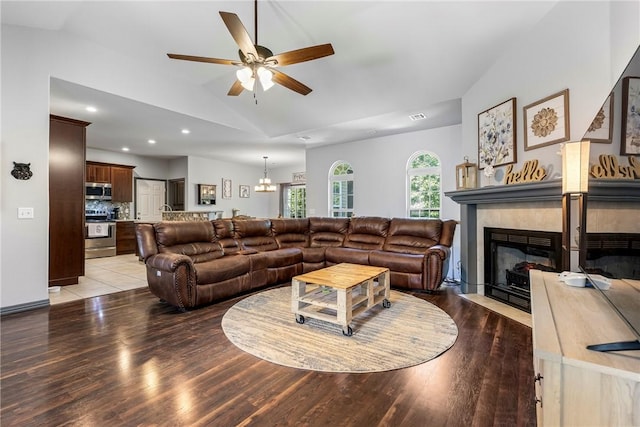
97	191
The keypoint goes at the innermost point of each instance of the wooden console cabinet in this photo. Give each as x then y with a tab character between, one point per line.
576	386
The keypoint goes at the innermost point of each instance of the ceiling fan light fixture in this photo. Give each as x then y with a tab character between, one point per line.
266	78
244	74
248	85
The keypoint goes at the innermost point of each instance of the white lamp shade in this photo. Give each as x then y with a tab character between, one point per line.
266	78
575	167
244	74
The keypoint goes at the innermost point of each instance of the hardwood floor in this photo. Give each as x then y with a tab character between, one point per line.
127	359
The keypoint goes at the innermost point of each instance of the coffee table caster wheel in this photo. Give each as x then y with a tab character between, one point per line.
348	332
386	303
299	319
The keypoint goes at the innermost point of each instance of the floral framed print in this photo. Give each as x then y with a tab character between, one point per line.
244	191
601	129
226	188
630	131
497	135
546	122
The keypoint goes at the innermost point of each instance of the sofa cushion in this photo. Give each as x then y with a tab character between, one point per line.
283	257
325	232
404	263
412	236
223	229
192	238
255	234
366	233
313	255
335	255
291	232
222	269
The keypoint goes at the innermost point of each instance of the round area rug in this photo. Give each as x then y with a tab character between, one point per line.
410	332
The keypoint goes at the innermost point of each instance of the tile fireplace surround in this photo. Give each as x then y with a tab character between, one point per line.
613	207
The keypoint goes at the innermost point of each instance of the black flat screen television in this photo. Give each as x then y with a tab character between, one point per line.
626	304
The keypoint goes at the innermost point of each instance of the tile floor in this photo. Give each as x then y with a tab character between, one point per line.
124	272
104	276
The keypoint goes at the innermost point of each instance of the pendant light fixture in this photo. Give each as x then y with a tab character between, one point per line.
265	185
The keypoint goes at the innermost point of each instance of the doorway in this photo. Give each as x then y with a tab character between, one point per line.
175	194
150	199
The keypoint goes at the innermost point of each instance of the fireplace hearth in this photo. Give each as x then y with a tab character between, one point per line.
509	255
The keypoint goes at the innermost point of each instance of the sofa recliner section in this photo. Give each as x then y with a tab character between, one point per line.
190	264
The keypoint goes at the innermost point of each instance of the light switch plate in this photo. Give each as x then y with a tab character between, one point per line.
25	213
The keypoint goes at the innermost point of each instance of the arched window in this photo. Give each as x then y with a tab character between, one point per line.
341	189
423	185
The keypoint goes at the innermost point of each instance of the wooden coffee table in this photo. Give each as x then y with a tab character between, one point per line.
338	293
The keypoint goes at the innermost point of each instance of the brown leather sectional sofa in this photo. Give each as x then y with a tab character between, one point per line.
193	263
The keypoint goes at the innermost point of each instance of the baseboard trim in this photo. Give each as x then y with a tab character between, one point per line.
24	307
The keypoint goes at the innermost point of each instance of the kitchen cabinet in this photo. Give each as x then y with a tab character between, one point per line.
119	176
98	173
67	143
125	237
122	183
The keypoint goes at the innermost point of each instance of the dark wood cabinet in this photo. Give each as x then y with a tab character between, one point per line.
98	173
122	183
67	140
125	237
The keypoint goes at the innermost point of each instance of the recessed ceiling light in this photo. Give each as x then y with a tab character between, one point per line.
186	131
91	109
151	141
417	116
125	148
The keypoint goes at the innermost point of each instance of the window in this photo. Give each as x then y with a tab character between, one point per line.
423	184
341	184
294	201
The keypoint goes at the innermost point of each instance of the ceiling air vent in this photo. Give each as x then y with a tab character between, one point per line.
417	116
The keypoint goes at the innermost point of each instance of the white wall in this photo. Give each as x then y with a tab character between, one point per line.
379	167
582	46
210	171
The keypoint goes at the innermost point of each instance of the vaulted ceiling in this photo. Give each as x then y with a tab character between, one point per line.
392	60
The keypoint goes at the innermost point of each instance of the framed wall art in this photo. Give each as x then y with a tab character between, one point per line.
546	122
206	194
630	130
244	191
226	188
497	135
601	129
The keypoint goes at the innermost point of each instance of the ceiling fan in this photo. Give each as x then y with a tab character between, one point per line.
258	62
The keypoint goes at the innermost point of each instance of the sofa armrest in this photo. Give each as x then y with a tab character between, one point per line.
438	250
172	277
436	266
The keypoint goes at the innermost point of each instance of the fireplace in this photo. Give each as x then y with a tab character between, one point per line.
615	255
509	255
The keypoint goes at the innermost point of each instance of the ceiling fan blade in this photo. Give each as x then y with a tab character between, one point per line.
239	33
290	83
236	89
203	59
302	55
